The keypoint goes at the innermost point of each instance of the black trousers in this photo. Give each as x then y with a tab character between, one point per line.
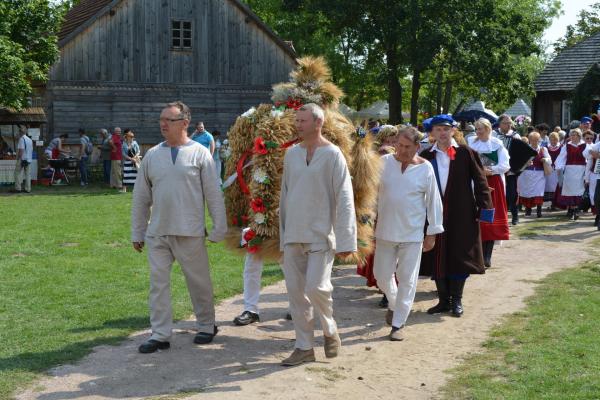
511	195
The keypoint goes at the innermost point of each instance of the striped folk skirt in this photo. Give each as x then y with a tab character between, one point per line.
129	173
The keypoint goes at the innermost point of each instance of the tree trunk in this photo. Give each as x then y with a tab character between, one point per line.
447	96
414	101
394	87
439	92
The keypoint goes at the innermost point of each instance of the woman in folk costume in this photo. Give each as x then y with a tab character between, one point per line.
495	160
532	181
466	200
552	180
592	174
384	143
572	162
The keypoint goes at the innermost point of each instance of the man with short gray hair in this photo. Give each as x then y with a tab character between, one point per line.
317	221
175	180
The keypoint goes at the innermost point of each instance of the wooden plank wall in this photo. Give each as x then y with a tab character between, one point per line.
134	45
138	106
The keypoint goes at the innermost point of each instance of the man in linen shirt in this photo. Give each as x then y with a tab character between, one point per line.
408	195
317	220
175	179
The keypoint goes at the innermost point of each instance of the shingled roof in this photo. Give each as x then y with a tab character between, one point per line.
570	66
80	14
87	11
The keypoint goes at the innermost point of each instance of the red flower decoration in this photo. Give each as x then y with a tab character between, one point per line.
293	103
234	221
252	249
249	235
258	206
245	219
259	146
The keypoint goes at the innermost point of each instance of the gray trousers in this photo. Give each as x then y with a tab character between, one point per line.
22	173
307	270
191	254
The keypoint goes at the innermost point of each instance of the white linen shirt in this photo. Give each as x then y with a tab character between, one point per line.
317	202
405	200
172	195
443	164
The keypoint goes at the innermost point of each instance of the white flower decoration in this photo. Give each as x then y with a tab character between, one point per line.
260	176
275	113
259	218
249	112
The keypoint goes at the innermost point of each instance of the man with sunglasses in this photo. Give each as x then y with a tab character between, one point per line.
176	178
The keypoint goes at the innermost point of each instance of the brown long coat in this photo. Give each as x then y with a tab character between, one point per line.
458	249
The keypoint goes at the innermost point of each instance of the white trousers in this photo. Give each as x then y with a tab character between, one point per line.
191	254
307	270
404	259
253	267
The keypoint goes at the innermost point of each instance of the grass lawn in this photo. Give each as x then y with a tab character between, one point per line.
551	350
71	281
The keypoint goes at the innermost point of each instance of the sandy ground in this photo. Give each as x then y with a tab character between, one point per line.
243	362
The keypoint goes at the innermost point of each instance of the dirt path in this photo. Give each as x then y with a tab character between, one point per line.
243	362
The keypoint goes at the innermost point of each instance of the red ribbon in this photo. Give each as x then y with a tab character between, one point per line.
240	172
240	165
451	152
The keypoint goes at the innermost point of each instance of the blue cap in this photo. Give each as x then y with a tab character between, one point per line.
585	119
427	124
442	119
375	130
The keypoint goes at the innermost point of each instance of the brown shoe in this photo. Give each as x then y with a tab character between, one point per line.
397	334
298	357
389	316
332	345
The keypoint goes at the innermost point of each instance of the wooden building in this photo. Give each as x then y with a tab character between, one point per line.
122	60
556	84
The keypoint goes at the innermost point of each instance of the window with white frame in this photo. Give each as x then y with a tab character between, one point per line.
181	35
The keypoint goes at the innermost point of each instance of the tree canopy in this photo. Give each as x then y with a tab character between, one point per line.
588	24
438	52
27	47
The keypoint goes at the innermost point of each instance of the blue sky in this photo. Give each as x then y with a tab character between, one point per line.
559	26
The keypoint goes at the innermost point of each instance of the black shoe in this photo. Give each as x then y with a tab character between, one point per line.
539	211
456	292
457	308
246	318
443	296
150	346
205	338
515	220
528	212
597	219
575	215
288	316
383	303
441	307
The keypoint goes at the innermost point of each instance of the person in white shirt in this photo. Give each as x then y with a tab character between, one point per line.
175	180
531	183
572	162
592	175
408	196
496	162
24	160
506	134
317	220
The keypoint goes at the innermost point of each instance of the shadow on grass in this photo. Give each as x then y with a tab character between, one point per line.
132	323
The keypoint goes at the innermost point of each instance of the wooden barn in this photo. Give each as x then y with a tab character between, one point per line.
557	83
122	60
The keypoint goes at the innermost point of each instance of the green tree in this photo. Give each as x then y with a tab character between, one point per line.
588	23
27	47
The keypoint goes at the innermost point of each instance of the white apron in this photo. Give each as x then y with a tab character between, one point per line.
573	180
